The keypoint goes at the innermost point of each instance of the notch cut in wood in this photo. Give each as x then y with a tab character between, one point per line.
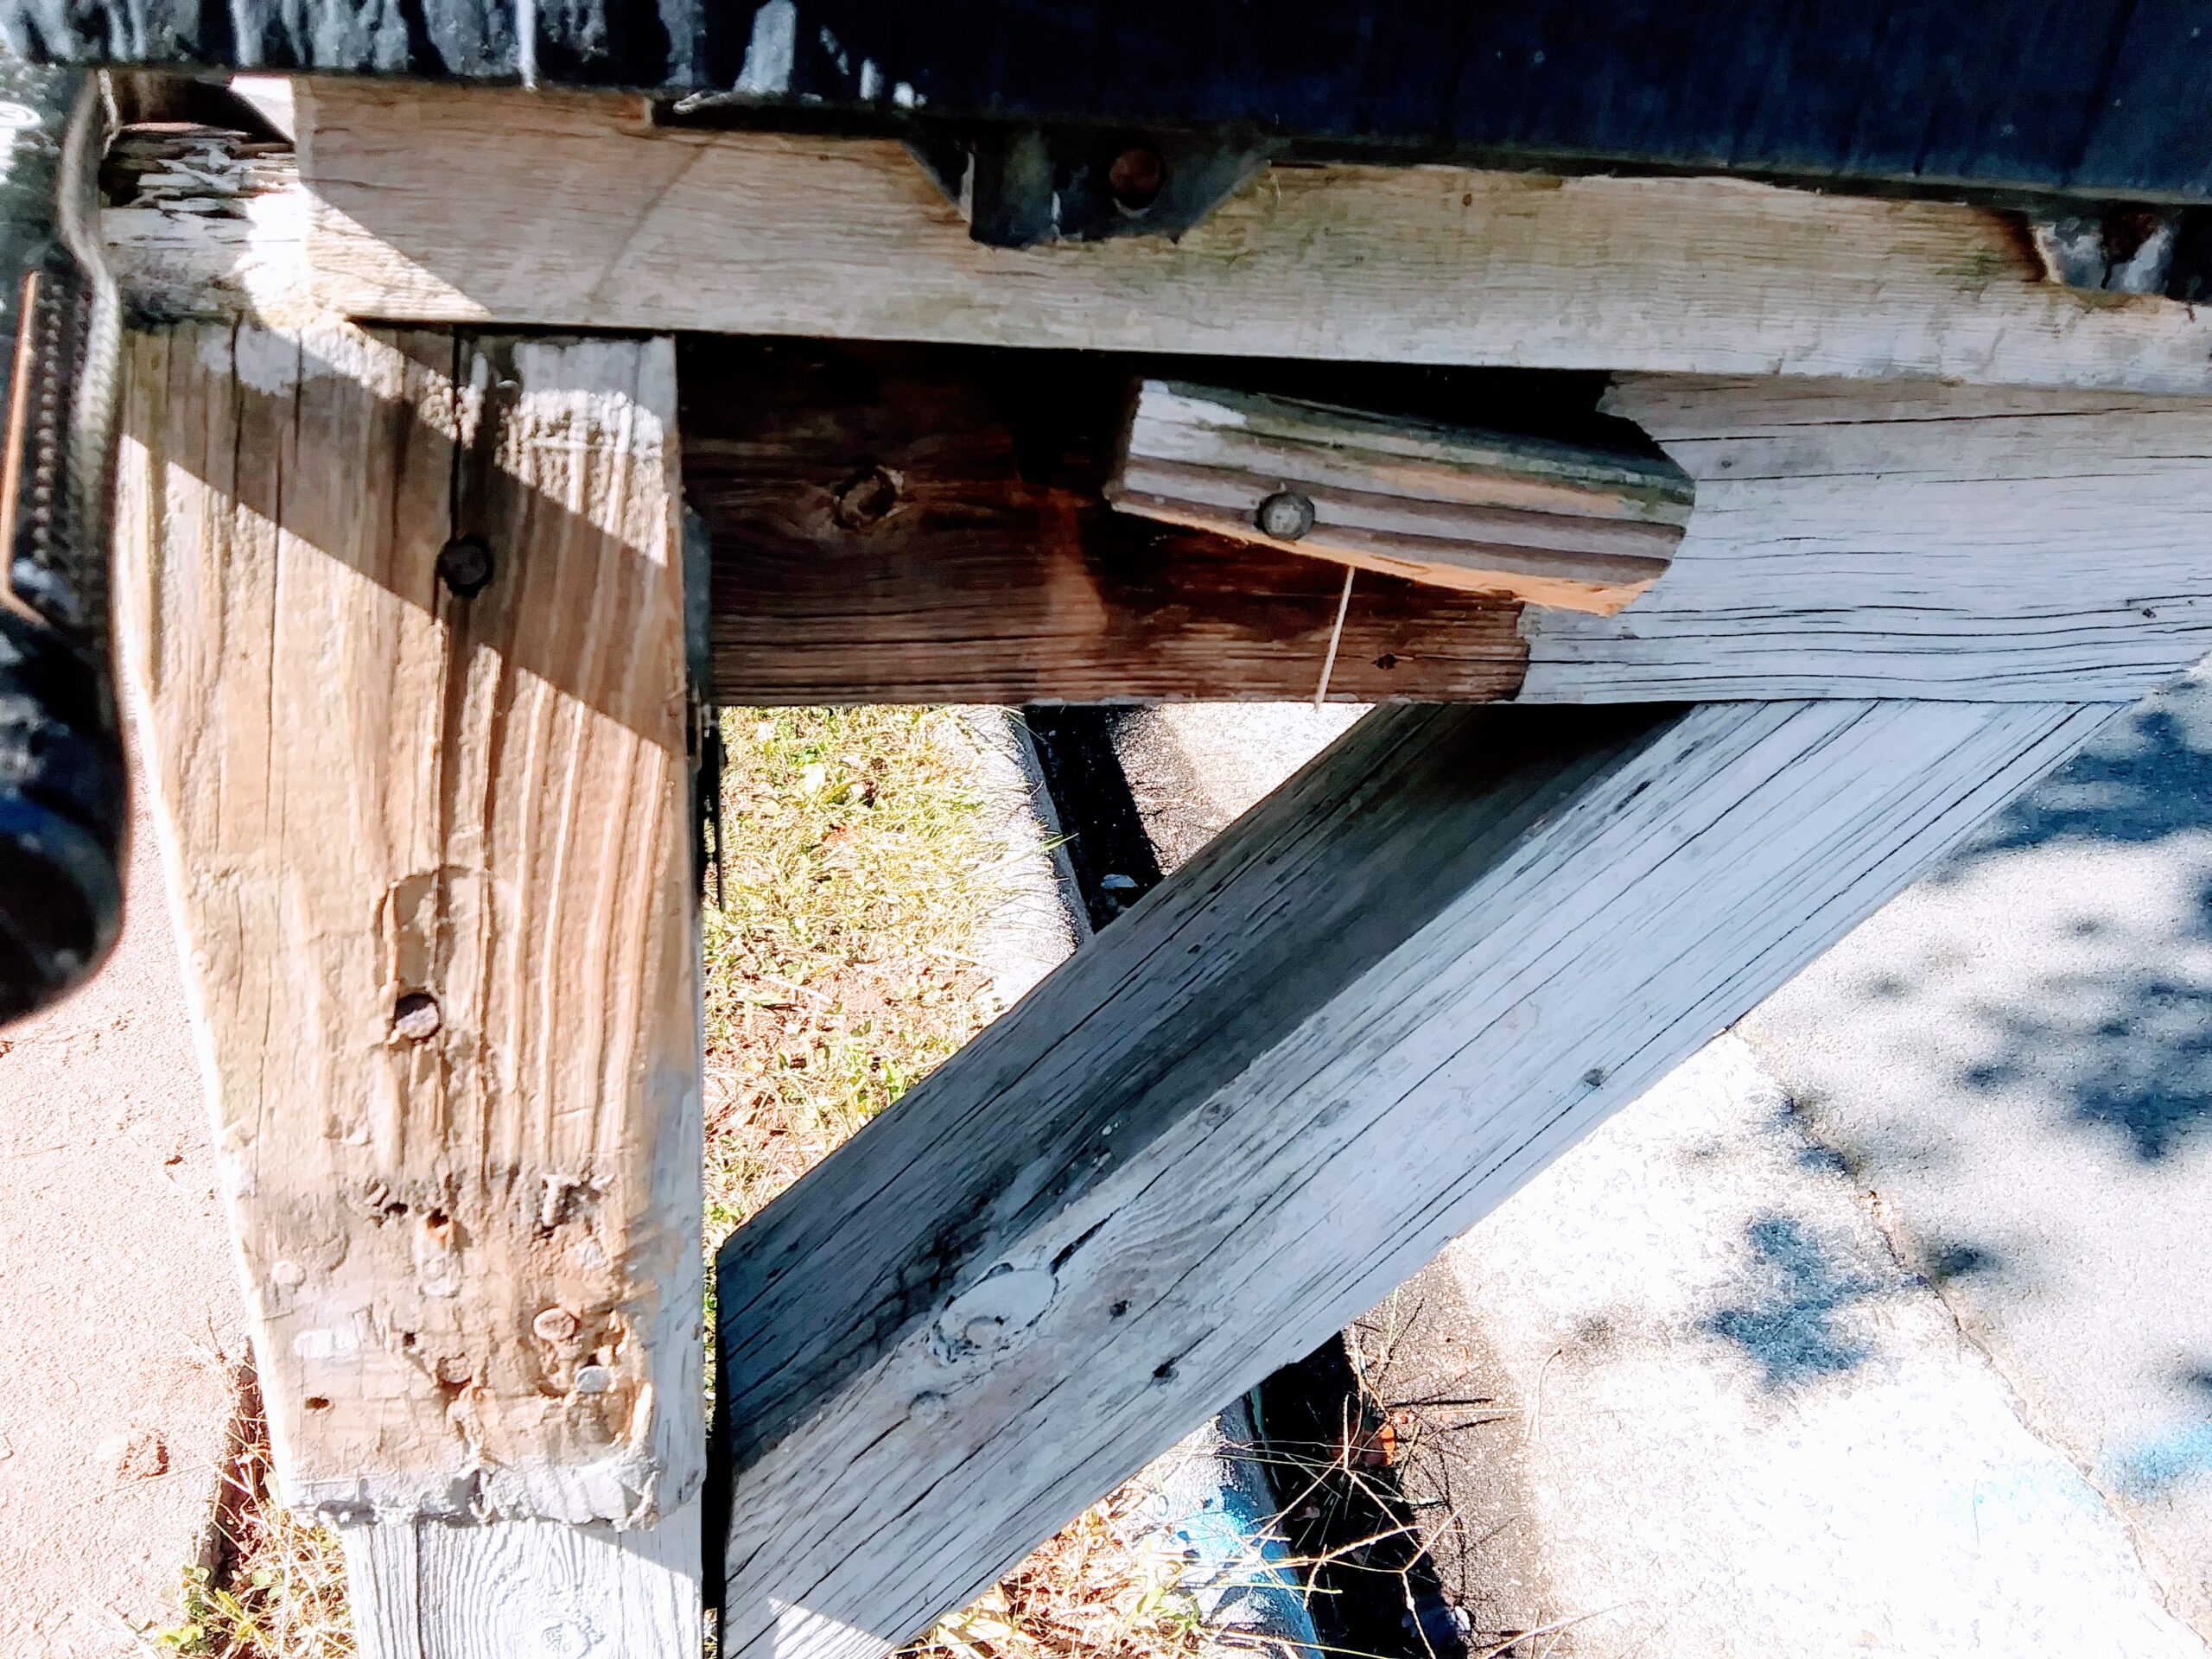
1575	527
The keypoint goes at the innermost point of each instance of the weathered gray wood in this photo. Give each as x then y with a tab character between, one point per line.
1907	540
428	1589
1513	516
1375	1006
479	204
430	854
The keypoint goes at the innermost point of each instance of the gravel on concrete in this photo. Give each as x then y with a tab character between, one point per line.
116	1272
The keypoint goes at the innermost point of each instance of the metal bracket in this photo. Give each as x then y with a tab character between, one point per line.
1018	186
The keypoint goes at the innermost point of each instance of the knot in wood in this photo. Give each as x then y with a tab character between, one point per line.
866	499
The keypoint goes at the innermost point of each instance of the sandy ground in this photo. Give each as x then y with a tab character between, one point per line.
115	1266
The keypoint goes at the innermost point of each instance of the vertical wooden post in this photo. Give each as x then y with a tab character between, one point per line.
404	616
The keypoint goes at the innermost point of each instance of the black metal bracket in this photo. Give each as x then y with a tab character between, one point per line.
1021	186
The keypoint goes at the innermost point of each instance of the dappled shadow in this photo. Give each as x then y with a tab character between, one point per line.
1785	1315
2146	775
2130	1054
2117	1035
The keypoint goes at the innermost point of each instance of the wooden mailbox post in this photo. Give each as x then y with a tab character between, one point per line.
403	606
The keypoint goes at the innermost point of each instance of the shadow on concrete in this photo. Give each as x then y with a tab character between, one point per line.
2125	1050
2146	775
1785	1316
2130	1054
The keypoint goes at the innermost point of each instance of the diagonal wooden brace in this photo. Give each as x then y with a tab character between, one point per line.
1377	1005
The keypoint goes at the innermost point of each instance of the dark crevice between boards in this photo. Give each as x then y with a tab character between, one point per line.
1322	1438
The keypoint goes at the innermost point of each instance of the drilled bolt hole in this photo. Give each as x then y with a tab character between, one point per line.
414	1017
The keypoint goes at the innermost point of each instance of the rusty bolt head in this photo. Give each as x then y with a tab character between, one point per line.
555	1324
1285	515
414	1017
464	566
1136	178
453	1371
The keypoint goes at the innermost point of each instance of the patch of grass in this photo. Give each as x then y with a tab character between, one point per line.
838	964
277	1588
1102	1588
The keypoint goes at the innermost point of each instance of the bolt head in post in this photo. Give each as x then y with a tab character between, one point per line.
1136	178
464	566
1285	515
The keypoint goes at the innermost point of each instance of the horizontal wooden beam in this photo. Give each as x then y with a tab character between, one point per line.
439	204
1907	540
1848	540
479	204
1349	1027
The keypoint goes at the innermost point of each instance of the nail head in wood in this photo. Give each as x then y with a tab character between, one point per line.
555	1324
464	566
414	1017
1285	515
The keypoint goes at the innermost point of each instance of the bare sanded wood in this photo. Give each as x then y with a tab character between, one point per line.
1487	513
897	524
1372	1008
1908	540
428	857
430	1589
473	205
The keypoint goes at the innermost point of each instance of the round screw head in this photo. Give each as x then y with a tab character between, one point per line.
555	1324
464	566
1136	178
594	1379
866	499
414	1017
1285	515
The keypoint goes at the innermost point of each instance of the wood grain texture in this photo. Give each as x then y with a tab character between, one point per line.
563	209
1488	513
1348	1028
994	574
426	1589
367	789
1908	540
